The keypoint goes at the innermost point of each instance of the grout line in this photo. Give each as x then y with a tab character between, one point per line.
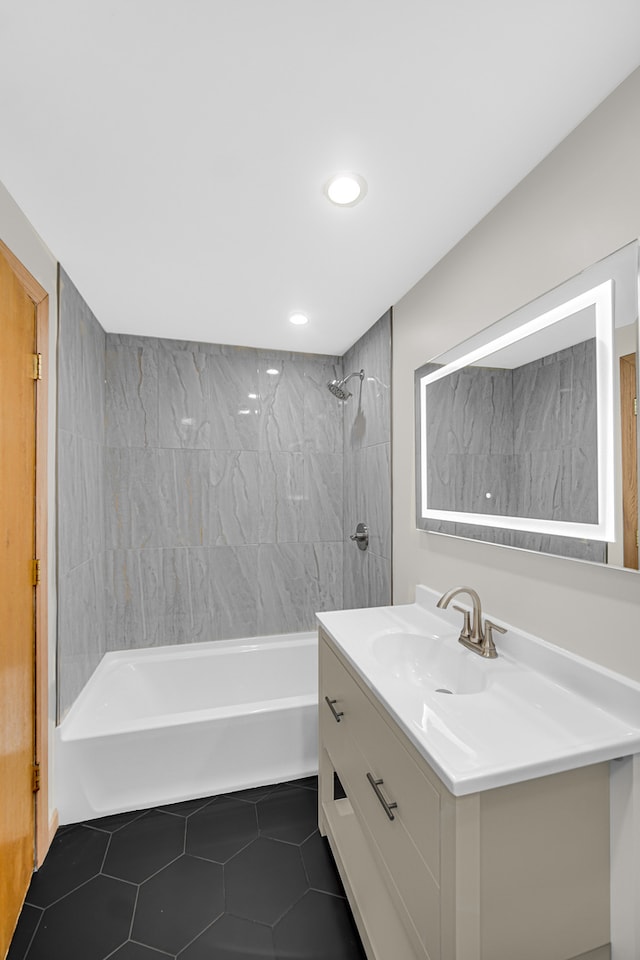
201	932
35	930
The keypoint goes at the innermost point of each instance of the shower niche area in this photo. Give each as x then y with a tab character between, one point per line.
209	492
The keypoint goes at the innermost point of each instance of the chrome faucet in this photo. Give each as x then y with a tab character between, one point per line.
475	635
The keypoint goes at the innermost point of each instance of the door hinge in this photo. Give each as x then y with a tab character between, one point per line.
36	572
36	369
36	777
635	406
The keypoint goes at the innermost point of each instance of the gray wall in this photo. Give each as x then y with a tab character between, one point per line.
81	526
190	510
224	511
367	468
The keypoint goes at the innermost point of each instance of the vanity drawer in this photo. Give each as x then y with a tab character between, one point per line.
363	749
417	798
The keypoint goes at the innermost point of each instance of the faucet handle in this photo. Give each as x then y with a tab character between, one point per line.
466	628
489	647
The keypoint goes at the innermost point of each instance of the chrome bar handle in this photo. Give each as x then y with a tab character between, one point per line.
336	714
388	807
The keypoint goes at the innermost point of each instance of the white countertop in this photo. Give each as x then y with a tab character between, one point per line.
533	711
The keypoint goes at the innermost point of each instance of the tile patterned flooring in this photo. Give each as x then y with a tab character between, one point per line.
235	877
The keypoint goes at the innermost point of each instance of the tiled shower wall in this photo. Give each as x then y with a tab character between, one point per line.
223	492
367	468
201	489
81	527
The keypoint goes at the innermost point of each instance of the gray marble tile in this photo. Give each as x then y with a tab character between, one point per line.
185	402
541	483
73	674
185	614
81	608
81	366
574	548
536	407
133	596
132	341
323	414
236	401
379	581
583	408
80	500
376	482
93	458
295	580
355	491
283	588
135	509
323	514
486	534
439	416
580	491
484	484
281	501
233	578
282	394
72	506
182	499
355	577
131	417
233	497
481	414
323	563
367	413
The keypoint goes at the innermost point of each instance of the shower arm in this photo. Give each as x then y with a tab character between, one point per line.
359	373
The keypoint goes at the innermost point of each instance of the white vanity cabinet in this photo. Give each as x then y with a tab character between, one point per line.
518	872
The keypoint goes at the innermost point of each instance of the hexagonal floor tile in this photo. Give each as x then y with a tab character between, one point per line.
176	904
221	829
143	847
73	858
320	866
136	951
289	814
87	924
253	794
264	880
319	926
185	808
27	922
116	821
231	938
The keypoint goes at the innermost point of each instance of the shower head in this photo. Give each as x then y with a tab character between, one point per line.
337	387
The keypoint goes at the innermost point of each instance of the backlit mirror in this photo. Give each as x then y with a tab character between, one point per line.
526	434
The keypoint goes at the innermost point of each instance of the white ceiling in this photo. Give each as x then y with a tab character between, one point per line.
172	153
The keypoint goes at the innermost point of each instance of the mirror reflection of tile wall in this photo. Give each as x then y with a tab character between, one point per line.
518	442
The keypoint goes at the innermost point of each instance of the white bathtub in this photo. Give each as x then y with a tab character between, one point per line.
166	724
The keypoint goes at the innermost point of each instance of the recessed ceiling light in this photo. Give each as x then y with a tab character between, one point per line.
346	189
273	372
298	319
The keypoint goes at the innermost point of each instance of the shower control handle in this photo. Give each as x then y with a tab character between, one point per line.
361	536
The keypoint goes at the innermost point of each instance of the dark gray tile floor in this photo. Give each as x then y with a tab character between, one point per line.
236	877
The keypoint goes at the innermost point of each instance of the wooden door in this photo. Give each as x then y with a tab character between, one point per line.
17	610
628	421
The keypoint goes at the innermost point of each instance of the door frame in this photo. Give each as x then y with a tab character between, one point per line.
44	828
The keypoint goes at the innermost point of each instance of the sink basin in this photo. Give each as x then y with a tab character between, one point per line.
439	664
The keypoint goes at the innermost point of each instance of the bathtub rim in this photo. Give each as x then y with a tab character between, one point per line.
111	660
